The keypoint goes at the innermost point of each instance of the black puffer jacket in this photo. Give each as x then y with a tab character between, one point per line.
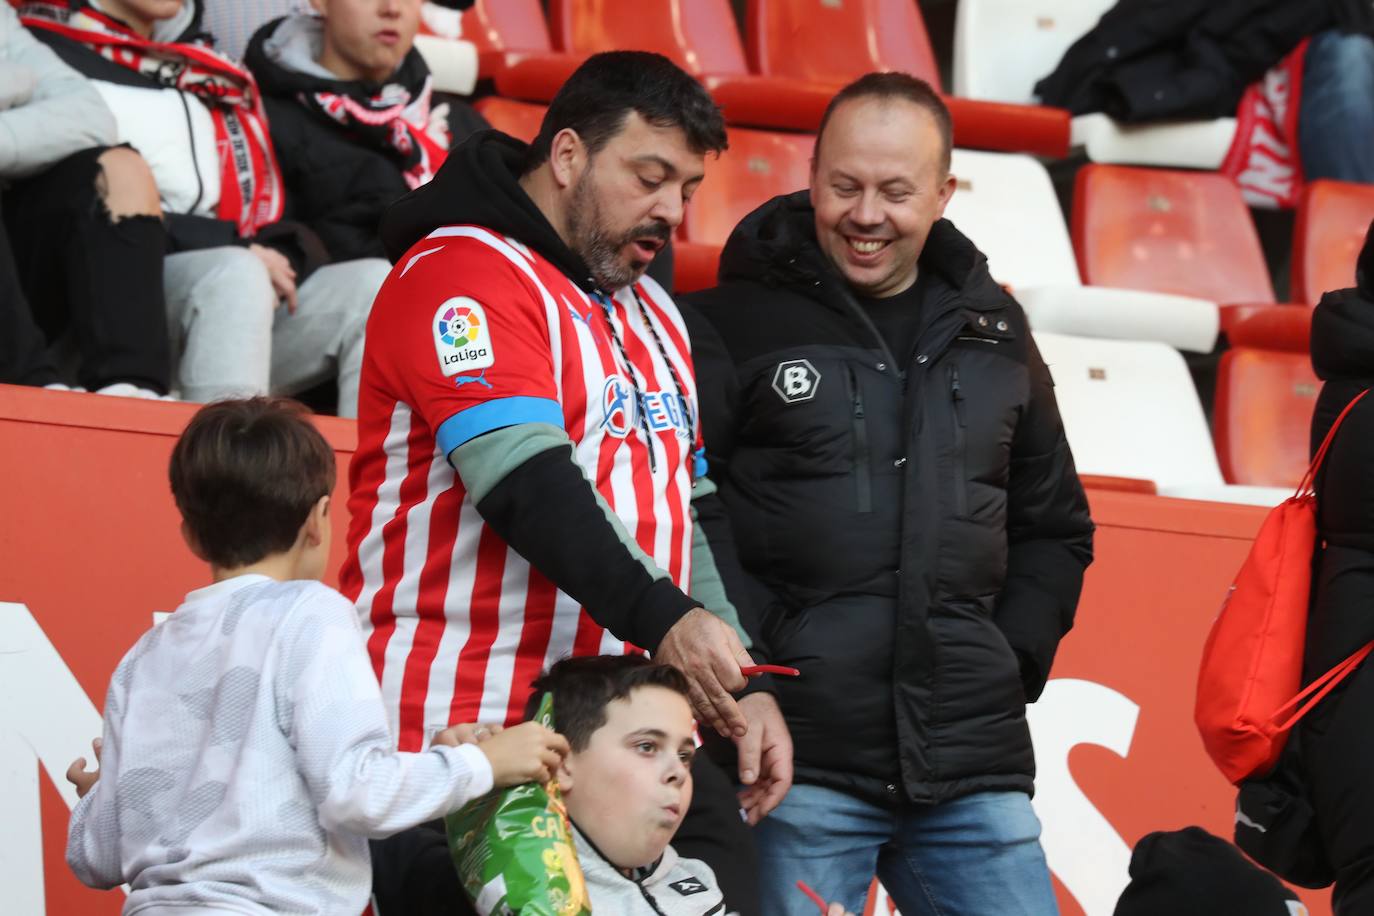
918	534
1337	740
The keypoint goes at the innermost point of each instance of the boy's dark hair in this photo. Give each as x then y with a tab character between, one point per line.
893	85
599	96
583	687
245	475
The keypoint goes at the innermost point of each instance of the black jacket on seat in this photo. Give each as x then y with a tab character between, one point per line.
915	530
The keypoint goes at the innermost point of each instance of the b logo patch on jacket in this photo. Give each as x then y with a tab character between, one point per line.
796	380
688	886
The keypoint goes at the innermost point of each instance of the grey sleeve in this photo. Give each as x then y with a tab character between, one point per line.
707	585
63	115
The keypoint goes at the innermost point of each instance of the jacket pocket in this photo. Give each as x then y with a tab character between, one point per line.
863	472
956	400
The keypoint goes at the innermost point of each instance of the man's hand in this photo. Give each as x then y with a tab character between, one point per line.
79	776
708	651
765	757
281	272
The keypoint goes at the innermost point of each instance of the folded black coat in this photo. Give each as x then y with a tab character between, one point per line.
1149	60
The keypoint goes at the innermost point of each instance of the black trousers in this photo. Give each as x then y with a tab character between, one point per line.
413	873
85	274
24	358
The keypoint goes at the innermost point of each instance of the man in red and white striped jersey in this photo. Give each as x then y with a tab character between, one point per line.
528	473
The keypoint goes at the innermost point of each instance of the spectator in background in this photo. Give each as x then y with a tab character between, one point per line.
1337	744
349	103
82	219
885	436
1336	120
233	259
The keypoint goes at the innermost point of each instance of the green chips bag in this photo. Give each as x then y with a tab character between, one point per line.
514	849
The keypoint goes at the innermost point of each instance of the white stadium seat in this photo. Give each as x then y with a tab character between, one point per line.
1130	410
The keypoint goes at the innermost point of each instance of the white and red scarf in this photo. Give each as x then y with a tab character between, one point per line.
1264	157
397	118
251	190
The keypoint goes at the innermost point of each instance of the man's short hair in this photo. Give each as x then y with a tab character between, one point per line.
890	86
245	475
582	688
599	96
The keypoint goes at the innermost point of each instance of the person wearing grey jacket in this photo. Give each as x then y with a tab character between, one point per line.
102	222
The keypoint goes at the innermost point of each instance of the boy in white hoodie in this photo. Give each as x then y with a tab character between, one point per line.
246	756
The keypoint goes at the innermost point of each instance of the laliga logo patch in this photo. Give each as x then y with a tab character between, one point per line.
462	338
796	380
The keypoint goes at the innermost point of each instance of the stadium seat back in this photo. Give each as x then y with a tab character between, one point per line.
758	165
1186	233
836	41
1263	415
519	119
1130	410
698	35
506	25
1002	48
1333	218
1006	204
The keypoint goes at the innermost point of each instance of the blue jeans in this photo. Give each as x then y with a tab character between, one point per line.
1336	121
979	855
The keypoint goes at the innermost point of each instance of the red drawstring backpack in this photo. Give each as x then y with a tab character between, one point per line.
1248	693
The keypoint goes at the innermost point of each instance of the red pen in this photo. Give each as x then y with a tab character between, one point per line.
815	897
753	670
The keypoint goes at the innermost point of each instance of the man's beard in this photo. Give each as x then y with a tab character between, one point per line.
593	241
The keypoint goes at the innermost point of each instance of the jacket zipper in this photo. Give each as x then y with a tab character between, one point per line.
960	426
862	471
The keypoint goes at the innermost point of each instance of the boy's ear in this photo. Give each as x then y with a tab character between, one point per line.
190	538
317	521
564	776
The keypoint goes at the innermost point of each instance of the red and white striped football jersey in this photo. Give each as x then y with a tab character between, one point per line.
472	332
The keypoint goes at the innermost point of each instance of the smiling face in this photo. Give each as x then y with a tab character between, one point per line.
367	39
628	197
629	788
878	183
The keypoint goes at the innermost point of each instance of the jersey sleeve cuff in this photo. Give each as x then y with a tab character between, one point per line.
495	414
663	605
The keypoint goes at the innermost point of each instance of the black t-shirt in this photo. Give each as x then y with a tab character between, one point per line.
899	318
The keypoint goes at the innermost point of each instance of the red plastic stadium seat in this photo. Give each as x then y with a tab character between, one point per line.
1333	217
512	41
830	43
519	119
694	266
1187	233
759	165
1268	327
1263	413
822	41
700	36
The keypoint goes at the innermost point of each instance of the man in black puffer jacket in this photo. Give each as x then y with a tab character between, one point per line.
1337	741
886	438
